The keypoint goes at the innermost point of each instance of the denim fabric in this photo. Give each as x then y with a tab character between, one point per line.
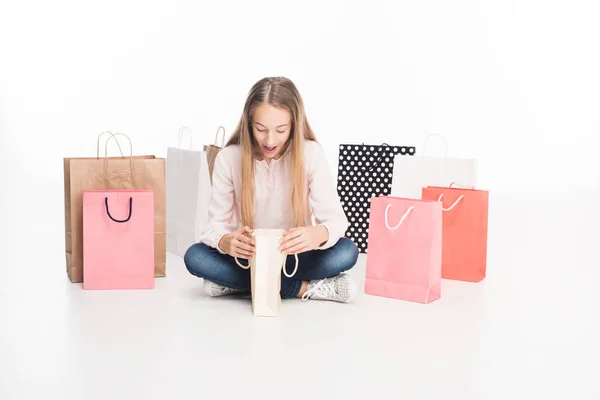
208	263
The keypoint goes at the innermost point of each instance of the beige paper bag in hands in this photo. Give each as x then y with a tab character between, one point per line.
133	172
265	272
212	150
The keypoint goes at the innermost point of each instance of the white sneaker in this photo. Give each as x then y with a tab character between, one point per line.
338	288
215	290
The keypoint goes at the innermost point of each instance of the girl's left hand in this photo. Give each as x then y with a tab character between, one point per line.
299	240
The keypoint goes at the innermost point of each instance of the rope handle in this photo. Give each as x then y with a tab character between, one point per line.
463	186
121	221
453	205
105	172
387	223
438	135
98	144
222	137
283	266
295	266
180	136
376	162
113	136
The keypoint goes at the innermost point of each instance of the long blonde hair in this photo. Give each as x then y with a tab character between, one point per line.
281	93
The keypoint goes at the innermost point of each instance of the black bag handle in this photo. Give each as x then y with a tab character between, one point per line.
376	162
117	220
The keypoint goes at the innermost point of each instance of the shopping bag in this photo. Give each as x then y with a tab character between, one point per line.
364	172
146	172
188	194
404	260
411	174
118	239
464	231
212	150
265	272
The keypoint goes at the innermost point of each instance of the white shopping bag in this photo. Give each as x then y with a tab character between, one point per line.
188	194
412	174
265	272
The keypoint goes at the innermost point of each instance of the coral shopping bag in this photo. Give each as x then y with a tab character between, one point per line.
464	231
118	239
404	259
265	272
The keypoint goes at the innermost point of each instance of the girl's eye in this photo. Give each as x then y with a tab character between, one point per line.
280	131
261	130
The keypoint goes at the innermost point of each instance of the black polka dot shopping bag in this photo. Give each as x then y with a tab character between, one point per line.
365	171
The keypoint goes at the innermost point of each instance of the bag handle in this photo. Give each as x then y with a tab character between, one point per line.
453	205
282	266
121	221
180	136
466	187
98	144
438	135
114	136
376	162
387	223
222	137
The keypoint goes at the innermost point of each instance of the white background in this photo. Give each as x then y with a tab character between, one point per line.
507	82
514	84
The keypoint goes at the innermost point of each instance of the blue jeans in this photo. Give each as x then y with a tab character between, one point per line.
208	263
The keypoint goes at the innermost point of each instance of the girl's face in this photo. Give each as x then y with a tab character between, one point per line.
271	127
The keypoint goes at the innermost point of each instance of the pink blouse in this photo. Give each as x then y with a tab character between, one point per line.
273	190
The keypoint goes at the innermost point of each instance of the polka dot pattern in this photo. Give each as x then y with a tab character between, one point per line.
365	171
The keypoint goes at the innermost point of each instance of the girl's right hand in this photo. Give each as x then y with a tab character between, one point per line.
237	244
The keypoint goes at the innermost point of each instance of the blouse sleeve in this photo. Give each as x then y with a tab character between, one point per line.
323	197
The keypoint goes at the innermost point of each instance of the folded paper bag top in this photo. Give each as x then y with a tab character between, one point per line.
265	272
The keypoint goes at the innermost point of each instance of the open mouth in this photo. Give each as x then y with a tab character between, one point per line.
270	149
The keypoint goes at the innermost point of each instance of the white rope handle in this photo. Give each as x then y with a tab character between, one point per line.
180	136
295	267
113	136
453	205
438	135
241	265
98	144
222	137
464	186
282	266
387	223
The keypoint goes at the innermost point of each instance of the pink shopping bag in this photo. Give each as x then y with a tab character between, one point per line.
404	257
118	239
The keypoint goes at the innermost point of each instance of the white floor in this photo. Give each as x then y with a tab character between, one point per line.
532	327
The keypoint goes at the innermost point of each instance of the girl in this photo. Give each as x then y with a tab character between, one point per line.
273	174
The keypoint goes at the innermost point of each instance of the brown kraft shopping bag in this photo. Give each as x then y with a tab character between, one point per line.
212	150
144	172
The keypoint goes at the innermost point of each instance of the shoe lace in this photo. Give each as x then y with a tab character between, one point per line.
320	289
